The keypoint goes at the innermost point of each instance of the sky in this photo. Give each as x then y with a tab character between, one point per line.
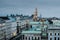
47	8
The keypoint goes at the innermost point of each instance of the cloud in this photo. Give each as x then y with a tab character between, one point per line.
28	3
45	7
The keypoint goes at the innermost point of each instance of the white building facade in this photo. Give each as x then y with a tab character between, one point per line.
54	33
7	30
31	37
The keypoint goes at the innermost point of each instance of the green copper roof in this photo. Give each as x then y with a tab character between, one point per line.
36	28
33	32
31	23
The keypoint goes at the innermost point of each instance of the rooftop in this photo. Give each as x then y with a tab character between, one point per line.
36	23
4	18
31	32
34	30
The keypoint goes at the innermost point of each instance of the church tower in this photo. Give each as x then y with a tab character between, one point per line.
35	16
36	12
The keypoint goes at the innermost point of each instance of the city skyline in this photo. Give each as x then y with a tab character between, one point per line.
48	8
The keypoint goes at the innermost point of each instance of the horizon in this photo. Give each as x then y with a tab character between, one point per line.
47	8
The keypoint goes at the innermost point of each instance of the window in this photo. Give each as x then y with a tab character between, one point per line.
29	38
26	38
50	38
58	33
23	36
55	33
58	38
35	38
55	38
50	33
31	26
32	38
38	38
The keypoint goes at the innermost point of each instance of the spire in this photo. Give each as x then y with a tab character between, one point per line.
35	15
36	12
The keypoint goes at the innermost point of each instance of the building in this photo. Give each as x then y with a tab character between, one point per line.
35	29
54	30
7	29
32	33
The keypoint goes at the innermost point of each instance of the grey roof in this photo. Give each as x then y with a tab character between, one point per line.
54	28
1	21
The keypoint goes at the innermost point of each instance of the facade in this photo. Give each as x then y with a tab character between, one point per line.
13	28
31	36
33	33
7	29
54	31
